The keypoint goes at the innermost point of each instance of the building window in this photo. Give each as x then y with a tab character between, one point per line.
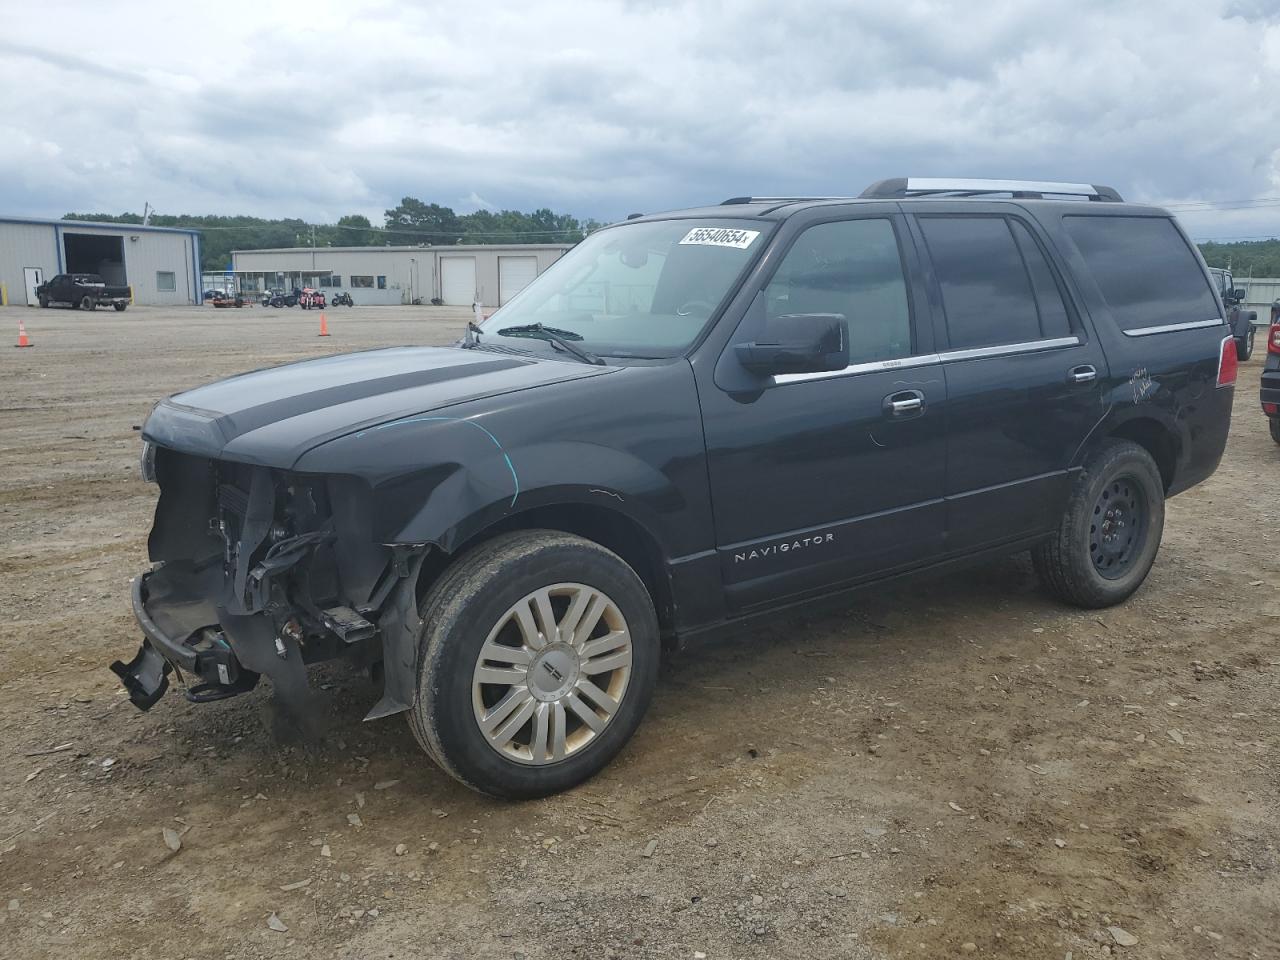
362	281
166	281
335	281
382	283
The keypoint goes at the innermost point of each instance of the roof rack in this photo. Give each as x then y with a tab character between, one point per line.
899	188
736	200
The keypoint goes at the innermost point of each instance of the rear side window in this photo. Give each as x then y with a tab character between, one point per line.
986	291
1145	270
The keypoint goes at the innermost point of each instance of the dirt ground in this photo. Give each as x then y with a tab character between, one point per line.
950	767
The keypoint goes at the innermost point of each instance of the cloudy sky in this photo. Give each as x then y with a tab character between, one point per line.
319	109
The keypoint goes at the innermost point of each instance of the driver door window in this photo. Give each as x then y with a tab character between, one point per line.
853	268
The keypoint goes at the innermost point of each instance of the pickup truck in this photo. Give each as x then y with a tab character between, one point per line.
83	291
695	420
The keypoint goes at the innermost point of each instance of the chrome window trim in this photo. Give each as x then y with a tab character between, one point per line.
874	366
1004	349
1174	327
929	359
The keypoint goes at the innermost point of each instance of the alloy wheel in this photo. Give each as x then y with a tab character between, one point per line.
552	673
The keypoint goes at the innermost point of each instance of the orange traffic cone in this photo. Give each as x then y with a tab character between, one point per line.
23	339
324	326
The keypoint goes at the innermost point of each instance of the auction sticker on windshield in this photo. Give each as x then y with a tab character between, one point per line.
721	237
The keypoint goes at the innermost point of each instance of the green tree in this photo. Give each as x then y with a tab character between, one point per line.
416	222
1258	258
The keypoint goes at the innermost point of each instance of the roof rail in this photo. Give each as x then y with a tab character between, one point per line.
736	200
903	187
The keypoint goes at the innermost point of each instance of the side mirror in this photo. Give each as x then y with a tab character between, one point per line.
1237	294
798	343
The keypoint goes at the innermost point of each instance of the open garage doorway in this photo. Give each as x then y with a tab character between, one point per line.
95	253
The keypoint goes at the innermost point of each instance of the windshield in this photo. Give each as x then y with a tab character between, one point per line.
635	290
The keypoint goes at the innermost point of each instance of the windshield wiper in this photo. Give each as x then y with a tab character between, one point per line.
561	338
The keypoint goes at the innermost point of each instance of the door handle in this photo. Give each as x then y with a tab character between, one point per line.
1085	373
905	403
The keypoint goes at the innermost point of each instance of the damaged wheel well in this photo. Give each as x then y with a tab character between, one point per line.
610	529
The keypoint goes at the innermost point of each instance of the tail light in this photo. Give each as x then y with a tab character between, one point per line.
1228	363
1273	339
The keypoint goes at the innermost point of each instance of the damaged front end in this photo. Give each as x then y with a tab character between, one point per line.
260	571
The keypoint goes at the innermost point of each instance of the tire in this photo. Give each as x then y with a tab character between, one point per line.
1244	345
44	303
120	307
1274	423
88	303
1075	564
473	606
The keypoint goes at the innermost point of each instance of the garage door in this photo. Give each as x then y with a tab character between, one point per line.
514	274
458	281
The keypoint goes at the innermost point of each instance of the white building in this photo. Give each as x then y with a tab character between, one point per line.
160	264
490	274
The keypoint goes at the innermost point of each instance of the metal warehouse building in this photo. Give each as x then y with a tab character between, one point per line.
160	264
489	274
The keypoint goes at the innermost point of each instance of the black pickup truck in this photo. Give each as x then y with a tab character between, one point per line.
692	421
83	291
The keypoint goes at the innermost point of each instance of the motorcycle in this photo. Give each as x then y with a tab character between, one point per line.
342	300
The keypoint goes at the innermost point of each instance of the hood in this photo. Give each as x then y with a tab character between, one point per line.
274	416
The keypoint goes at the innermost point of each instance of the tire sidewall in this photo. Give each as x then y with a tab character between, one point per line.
1121	461
450	646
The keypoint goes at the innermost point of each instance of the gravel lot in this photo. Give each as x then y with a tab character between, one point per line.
949	767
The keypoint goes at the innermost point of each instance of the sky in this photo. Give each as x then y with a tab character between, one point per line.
318	109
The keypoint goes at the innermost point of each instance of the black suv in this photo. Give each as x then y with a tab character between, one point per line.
692	420
1271	375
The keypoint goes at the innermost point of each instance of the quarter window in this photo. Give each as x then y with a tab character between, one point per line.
166	281
1144	269
986	291
853	268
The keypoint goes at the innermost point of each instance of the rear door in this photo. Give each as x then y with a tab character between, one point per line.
1023	375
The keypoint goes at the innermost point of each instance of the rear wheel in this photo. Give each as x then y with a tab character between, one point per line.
538	658
1110	533
1244	345
1275	428
120	307
44	302
88	303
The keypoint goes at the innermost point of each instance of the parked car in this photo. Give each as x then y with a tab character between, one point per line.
695	420
342	300
1271	375
1242	322
82	291
279	298
311	299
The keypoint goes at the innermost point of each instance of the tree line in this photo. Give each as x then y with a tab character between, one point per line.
1257	258
409	223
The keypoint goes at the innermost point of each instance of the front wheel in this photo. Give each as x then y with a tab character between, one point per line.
1108	538
538	658
120	307
88	303
44	302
